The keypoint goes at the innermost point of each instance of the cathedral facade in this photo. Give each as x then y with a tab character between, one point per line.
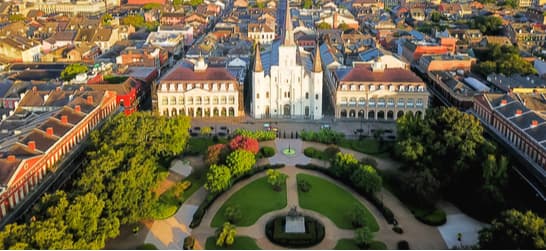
286	80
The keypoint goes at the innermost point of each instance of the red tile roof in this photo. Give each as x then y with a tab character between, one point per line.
364	73
186	74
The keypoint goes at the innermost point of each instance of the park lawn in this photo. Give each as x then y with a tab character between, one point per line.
167	204
241	243
254	200
327	199
349	244
346	244
199	145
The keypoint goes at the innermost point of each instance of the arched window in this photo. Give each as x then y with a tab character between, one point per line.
173	100
257	96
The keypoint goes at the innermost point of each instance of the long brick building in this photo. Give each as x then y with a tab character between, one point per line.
25	161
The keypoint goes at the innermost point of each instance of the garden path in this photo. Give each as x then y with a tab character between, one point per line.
419	235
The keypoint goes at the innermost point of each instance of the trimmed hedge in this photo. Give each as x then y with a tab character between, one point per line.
403	245
202	209
147	246
385	211
314	233
434	218
260	135
267	151
189	243
325	136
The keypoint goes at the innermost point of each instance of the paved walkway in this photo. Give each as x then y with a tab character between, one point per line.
170	233
419	235
458	222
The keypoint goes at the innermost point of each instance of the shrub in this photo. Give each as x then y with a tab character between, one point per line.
385	211
202	209
369	161
304	186
233	213
260	135
244	143
397	230
310	152
216	154
325	136
434	218
403	245
330	152
189	243
267	151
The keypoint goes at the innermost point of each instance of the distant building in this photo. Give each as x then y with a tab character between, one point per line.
375	92
26	161
446	62
515	119
199	91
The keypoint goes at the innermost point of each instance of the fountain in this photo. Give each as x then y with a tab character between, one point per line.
289	151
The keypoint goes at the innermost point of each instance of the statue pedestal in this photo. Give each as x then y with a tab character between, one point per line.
294	224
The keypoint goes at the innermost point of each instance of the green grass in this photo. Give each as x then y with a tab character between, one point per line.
199	145
333	202
254	200
349	244
346	244
368	146
147	246
168	204
431	216
241	243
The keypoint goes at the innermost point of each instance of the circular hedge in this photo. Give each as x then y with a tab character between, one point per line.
314	233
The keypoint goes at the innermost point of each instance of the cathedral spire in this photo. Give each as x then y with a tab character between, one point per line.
258	67
288	33
317	62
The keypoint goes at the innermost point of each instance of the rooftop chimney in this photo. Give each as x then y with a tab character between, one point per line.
49	131
32	145
534	123
504	102
64	119
518	112
89	100
11	157
77	108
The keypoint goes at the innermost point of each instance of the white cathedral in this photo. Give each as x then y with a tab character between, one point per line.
286	80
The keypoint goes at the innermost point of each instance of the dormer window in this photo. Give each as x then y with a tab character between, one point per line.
372	87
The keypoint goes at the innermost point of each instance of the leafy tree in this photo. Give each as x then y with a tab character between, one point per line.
363	237
226	235
495	175
134	20
423	186
275	178
260	5
195	3
206	130
106	18
324	26
233	213
343	26
503	59
16	18
488	25
344	164
511	3
216	154
218	178
245	143
240	162
307	4
358	216
435	16
514	230
72	70
177	2
365	178
150	6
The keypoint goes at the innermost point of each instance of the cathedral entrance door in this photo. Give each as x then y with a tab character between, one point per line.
267	115
286	110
